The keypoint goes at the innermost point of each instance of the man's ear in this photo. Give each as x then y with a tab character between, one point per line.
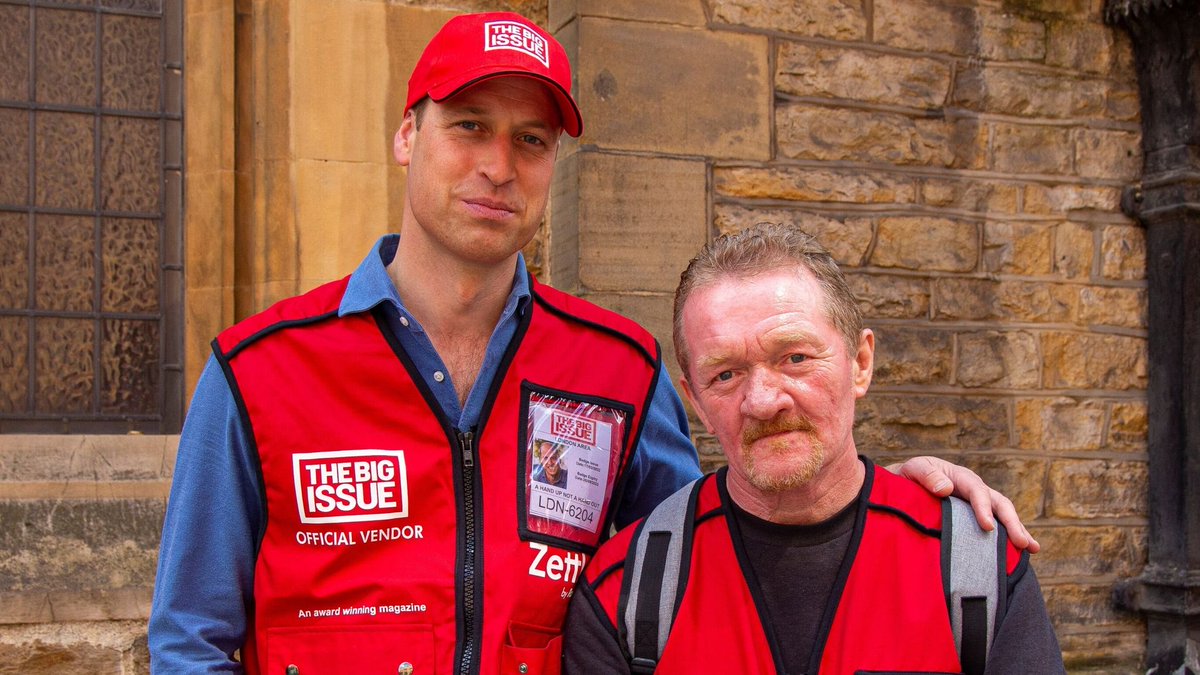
691	398
403	142
864	363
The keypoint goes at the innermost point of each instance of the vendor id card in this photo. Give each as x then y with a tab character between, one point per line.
573	451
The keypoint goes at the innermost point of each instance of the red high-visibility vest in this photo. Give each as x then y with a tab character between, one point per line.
890	610
392	541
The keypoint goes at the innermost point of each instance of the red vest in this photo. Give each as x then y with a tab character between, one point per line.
890	615
390	538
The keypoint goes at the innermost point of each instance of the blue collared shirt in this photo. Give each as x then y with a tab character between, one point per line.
371	285
205	583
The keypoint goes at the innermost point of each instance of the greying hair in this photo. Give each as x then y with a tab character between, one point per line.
761	248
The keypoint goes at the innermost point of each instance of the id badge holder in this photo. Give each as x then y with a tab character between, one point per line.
572	450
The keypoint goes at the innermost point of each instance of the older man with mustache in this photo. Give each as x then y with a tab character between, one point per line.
801	556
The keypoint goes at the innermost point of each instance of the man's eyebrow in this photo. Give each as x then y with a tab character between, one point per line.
712	360
479	111
786	337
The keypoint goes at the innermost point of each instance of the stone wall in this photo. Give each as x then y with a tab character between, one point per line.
963	161
81	517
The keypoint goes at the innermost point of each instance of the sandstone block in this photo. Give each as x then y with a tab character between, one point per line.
1128	426
1062	8
49	658
1074	250
1021	479
1044	199
804	184
207	312
998	359
341	209
338	75
706	444
653	311
1111	650
887	423
1016	91
813	132
684	12
990	300
1079	551
1122	102
408	30
562	224
640	221
1124	66
1100	488
1081	46
1017	248
1031	149
1007	36
1107	154
210	58
972	195
1094	361
273	223
535	254
39	458
837	20
711	455
1105	306
79	545
905	355
614	80
209	266
1123	252
906	24
1056	424
1082	604
847	73
265	68
889	297
920	243
846	239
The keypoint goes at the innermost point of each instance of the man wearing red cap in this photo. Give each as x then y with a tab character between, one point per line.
353	485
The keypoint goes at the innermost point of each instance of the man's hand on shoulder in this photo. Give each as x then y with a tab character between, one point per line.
943	478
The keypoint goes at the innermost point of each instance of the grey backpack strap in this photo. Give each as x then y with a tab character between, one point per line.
975	577
653	581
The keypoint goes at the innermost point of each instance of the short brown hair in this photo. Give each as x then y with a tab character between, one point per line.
768	247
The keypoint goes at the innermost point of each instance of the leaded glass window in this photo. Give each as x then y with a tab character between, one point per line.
91	245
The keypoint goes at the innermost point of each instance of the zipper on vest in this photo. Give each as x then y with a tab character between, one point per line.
466	444
466	440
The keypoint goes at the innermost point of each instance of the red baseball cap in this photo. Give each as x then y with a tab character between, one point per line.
474	47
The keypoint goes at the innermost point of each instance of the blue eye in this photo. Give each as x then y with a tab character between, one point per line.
725	375
797	358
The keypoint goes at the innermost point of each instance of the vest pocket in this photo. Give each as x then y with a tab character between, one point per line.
361	650
531	650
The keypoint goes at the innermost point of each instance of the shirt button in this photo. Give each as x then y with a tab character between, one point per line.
404	321
523	669
439	376
405	668
292	670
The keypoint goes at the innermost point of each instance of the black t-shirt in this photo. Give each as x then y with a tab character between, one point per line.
795	566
